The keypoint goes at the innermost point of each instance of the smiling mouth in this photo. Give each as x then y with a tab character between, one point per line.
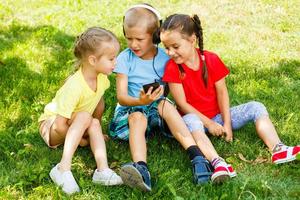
135	51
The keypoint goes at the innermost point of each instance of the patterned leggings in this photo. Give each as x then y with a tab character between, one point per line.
240	116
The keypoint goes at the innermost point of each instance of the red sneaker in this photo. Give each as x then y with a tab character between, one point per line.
286	154
231	171
220	174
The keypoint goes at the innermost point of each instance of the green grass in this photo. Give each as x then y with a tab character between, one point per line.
258	41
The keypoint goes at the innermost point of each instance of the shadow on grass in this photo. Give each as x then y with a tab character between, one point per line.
26	159
24	93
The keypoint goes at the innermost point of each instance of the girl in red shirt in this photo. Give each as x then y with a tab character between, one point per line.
197	82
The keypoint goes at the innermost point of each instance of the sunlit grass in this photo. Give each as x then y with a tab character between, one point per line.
257	40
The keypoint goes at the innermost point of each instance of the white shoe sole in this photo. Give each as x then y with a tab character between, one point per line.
232	174
281	161
220	177
108	182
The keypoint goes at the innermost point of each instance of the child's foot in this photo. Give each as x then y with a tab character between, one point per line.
65	180
202	170
106	177
135	175
285	154
231	171
221	172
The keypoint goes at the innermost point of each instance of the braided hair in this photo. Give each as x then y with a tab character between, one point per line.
188	26
91	41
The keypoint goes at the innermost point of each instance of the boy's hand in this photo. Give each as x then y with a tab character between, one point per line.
149	97
215	129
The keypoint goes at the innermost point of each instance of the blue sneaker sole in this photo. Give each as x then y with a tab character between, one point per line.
132	177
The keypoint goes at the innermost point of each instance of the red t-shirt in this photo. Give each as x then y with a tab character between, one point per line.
204	99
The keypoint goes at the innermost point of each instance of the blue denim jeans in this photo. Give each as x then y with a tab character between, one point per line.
240	116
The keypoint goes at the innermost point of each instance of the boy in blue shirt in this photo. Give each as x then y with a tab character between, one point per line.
139	113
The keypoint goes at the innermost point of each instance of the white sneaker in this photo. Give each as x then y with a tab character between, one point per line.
65	180
107	177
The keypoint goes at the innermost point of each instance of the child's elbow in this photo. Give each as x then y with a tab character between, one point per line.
121	100
122	103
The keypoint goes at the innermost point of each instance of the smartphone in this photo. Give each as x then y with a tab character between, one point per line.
155	85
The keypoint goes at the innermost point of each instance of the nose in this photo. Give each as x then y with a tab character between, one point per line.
170	52
133	44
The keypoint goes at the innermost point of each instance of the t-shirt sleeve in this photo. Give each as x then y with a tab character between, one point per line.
106	82
122	64
219	68
67	98
172	73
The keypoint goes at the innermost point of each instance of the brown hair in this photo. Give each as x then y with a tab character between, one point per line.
188	26
90	42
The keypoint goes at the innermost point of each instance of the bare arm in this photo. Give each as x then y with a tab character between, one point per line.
224	105
99	110
98	113
125	100
177	92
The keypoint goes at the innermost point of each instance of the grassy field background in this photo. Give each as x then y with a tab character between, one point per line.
257	39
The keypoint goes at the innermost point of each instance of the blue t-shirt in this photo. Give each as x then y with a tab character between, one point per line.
139	71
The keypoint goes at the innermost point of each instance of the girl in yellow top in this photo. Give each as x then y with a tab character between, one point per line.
73	117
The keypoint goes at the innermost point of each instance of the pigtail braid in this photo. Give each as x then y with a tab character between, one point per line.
78	51
199	35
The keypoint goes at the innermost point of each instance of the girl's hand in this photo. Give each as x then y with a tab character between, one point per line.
228	133
149	97
215	128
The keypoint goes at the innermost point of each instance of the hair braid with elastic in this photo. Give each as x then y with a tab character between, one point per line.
199	35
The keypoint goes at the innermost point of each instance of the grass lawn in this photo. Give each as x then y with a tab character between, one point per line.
258	40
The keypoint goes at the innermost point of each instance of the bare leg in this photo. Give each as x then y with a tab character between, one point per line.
205	145
59	130
266	131
137	141
176	124
97	144
75	132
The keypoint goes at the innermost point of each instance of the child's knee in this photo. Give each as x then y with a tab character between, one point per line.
60	126
137	117
164	103
258	109
84	117
165	107
193	122
95	125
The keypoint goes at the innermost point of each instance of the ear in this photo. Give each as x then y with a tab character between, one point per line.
92	59
193	39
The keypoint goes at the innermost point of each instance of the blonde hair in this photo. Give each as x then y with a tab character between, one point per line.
91	41
142	14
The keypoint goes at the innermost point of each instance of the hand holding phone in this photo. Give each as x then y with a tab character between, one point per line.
154	86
